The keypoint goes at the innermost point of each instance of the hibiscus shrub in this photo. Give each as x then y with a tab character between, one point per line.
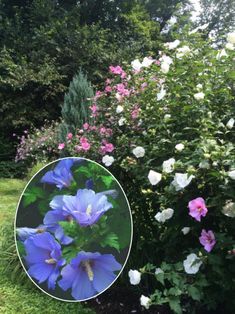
165	129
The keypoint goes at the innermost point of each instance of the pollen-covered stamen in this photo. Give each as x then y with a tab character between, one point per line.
87	266
50	261
88	210
40	230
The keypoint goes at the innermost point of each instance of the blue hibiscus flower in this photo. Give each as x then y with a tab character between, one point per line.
61	175
44	258
89	274
24	233
86	207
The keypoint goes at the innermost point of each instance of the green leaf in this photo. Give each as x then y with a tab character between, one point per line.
43	206
83	170
160	278
194	293
32	195
174	303
70	228
111	240
69	252
107	180
21	248
175	291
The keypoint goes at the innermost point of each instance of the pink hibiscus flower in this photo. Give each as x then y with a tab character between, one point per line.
61	146
207	239
85	144
197	208
69	136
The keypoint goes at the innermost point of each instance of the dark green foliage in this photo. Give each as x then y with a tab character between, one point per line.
75	110
44	43
163	10
11	169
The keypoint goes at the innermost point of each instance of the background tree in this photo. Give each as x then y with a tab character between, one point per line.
75	110
219	14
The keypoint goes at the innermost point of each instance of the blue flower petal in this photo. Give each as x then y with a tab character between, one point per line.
53	216
40	271
57	202
34	253
25	233
89	184
46	241
82	287
102	278
48	177
68	274
52	278
61	237
108	262
61	175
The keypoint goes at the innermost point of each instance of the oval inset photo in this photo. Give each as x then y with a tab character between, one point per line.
73	229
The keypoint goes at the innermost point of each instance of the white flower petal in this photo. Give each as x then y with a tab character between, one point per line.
161	94
231	174
181	180
185	230
199	96
136	65
119	109
107	160
231	38
192	264
179	147
168	165
154	177
135	277
145	301
138	152
230	123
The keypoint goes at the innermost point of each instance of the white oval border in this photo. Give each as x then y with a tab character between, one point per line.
130	245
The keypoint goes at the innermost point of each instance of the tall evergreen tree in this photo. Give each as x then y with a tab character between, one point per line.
75	110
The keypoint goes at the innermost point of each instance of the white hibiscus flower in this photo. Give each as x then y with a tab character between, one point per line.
135	277
168	165
181	180
192	264
154	177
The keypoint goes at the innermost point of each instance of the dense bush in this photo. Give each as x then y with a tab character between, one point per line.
165	128
10	169
39	145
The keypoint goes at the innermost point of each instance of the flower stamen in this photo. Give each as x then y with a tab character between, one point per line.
88	210
50	261
89	270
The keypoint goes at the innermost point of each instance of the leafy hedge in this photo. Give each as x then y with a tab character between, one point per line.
11	169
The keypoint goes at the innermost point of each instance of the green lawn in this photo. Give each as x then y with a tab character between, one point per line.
26	298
